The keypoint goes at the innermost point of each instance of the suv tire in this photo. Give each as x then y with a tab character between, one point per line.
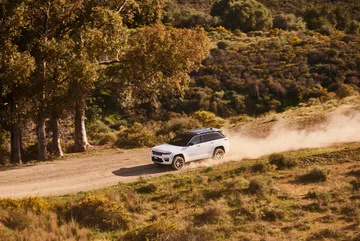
178	163
218	154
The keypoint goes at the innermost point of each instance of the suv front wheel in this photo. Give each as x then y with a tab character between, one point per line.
178	163
218	154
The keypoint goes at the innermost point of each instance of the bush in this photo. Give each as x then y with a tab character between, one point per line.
223	45
272	214
149	188
214	212
152	231
281	162
260	167
6	234
289	22
261	186
315	175
136	136
345	90
235	15
178	123
16	220
107	138
209	119
35	204
100	212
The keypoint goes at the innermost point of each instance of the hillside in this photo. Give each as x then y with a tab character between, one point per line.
306	194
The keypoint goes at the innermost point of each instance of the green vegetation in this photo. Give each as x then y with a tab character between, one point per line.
232	201
130	63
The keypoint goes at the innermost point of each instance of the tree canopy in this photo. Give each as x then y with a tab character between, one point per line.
246	15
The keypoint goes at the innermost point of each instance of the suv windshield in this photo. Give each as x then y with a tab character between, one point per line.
181	139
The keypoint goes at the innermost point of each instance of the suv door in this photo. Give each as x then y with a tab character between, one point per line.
195	151
210	142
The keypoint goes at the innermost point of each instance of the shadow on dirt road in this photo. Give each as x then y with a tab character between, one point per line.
141	170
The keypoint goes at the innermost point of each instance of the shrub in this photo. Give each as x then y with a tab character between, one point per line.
16	220
345	90
100	212
6	234
272	214
107	138
178	123
149	188
281	162
260	167
289	22
235	15
151	231
209	119
315	175
223	45
35	204
214	212
136	136
260	186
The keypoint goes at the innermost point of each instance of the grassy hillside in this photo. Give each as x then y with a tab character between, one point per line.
311	194
305	195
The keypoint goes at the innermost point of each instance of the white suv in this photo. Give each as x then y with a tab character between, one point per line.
190	146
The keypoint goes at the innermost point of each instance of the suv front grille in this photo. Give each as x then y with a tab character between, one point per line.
157	153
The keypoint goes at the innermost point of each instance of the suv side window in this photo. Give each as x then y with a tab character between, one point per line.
216	136
195	140
212	136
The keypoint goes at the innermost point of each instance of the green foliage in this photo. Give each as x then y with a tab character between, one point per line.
261	167
260	186
315	175
214	212
282	162
149	188
186	17
137	135
4	152
152	231
246	15
34	204
353	28
345	91
289	22
159	62
100	212
208	119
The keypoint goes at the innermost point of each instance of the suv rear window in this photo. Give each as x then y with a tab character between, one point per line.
212	136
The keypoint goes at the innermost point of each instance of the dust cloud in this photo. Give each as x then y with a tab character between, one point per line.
340	127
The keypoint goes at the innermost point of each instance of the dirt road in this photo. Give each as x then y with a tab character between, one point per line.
79	174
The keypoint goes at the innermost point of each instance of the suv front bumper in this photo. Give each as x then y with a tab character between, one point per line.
165	159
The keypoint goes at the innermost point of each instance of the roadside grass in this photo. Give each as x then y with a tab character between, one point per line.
247	200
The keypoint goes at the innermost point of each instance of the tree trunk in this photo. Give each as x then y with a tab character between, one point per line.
81	142
56	137
41	139
15	144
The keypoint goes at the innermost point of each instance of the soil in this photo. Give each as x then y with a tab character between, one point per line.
77	174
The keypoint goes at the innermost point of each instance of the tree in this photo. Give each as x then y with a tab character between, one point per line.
158	63
67	39
15	68
246	15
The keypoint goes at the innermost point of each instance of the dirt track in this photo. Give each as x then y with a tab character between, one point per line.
75	175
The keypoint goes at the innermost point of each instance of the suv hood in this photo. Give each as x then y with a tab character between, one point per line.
168	148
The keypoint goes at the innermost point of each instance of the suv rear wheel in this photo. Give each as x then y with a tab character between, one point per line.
218	154
178	163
